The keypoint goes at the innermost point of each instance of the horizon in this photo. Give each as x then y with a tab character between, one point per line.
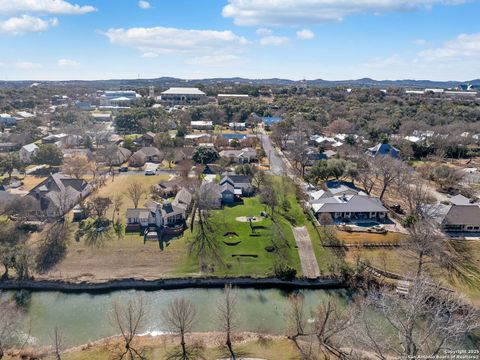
88	40
242	78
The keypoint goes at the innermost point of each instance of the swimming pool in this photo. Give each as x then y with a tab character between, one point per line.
366	223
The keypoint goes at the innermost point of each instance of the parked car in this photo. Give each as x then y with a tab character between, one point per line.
150	172
123	169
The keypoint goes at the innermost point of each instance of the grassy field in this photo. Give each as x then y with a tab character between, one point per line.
126	257
120	185
242	241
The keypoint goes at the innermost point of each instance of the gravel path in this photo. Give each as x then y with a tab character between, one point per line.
307	255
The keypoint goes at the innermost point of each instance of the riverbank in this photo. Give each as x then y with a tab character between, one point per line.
246	344
171	284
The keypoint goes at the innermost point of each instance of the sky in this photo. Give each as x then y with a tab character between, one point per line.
192	39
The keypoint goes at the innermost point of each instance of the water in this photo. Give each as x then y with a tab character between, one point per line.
366	223
84	317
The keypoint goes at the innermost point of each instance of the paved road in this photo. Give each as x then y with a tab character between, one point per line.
305	251
277	166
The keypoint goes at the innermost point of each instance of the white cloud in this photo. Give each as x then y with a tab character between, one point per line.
142	4
264	32
191	43
274	40
300	12
305	34
43	7
26	24
420	42
27	65
67	63
464	46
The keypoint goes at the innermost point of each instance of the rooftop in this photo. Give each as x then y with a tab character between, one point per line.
183	91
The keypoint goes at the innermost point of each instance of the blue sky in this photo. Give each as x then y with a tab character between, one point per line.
328	39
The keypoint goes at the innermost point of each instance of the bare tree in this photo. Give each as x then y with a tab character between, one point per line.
77	166
417	197
204	245
180	317
58	342
10	326
117	205
389	171
268	196
423	323
227	316
328	327
427	245
135	191
130	319
367	175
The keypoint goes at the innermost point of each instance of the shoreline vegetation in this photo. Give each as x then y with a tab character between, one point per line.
254	345
171	284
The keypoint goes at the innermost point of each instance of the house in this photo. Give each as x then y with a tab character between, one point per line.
237	126
137	218
461	215
343	202
182	96
320	140
161	215
9	147
118	156
146	154
27	151
201	125
101	116
146	139
243	156
53	138
23	115
195	139
57	194
314	156
118	98
227	192
383	150
7	120
168	189
269	121
242	184
184	199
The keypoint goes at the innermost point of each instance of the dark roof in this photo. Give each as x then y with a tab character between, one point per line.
463	215
227	187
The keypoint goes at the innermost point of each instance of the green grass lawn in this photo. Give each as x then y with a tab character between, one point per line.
261	263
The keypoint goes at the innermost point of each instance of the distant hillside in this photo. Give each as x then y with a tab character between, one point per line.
169	81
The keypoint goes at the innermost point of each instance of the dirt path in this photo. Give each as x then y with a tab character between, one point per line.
305	251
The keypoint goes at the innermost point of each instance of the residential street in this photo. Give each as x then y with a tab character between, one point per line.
305	251
277	166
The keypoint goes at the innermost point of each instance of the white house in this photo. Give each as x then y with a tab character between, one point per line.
237	126
201	125
182	95
27	151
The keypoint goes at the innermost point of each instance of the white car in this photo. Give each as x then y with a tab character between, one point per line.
150	172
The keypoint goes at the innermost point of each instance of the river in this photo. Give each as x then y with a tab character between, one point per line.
84	317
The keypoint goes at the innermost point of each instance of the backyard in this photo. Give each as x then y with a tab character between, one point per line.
244	245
